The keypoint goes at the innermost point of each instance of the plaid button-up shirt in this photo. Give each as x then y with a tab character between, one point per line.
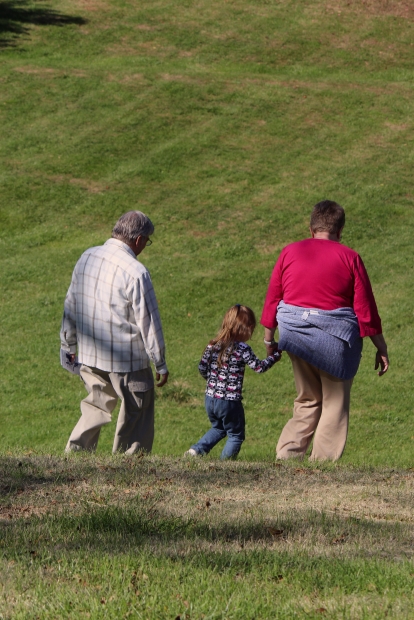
111	313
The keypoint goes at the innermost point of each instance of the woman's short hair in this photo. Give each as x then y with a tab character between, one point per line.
132	225
327	216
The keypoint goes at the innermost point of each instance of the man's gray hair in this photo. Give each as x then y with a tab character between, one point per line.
132	225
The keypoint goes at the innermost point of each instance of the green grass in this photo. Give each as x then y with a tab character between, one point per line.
117	537
224	121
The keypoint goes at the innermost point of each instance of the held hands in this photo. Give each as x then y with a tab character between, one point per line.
162	379
271	349
270	344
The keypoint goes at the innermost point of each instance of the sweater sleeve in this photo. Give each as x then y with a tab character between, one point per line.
205	362
257	365
365	306
273	296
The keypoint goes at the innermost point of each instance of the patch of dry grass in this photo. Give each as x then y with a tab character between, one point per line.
394	8
118	537
329	510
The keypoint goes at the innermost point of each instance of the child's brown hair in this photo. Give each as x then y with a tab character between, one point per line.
238	325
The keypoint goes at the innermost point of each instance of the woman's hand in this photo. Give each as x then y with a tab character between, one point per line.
381	357
381	361
274	349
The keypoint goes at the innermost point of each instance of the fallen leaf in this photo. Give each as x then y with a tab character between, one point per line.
274	532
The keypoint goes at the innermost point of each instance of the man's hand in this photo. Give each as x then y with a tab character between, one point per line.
72	357
164	379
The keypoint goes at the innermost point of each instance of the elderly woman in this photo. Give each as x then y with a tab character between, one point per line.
321	300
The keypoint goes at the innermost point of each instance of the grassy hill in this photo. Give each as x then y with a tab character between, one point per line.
225	121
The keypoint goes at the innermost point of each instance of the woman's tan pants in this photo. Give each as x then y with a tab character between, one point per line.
321	411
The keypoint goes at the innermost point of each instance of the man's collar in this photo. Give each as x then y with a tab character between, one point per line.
120	244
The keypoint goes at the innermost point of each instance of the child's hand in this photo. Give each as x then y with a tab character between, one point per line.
271	349
278	351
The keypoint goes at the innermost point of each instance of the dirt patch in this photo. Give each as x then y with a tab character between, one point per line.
186	54
174	78
152	48
48	72
392	8
321	86
397	127
92	6
184	79
42	71
144	27
94	187
126	79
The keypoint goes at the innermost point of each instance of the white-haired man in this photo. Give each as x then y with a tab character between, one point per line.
111	319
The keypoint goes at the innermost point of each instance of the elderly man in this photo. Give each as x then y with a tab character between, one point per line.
322	295
111	317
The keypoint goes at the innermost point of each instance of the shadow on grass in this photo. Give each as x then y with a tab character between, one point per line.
17	15
121	527
114	523
119	530
24	473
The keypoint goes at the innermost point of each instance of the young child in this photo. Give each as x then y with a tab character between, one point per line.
223	364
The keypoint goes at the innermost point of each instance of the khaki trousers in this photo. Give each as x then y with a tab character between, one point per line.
135	425
321	411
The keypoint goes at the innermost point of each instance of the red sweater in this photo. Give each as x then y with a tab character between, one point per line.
322	274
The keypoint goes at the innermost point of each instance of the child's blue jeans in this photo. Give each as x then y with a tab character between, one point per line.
227	418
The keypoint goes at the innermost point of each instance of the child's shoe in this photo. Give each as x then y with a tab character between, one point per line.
191	452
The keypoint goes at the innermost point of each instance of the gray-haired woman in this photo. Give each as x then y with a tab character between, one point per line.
321	299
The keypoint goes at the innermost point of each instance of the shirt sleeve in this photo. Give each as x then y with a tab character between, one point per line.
273	297
148	320
205	363
68	335
365	306
257	365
